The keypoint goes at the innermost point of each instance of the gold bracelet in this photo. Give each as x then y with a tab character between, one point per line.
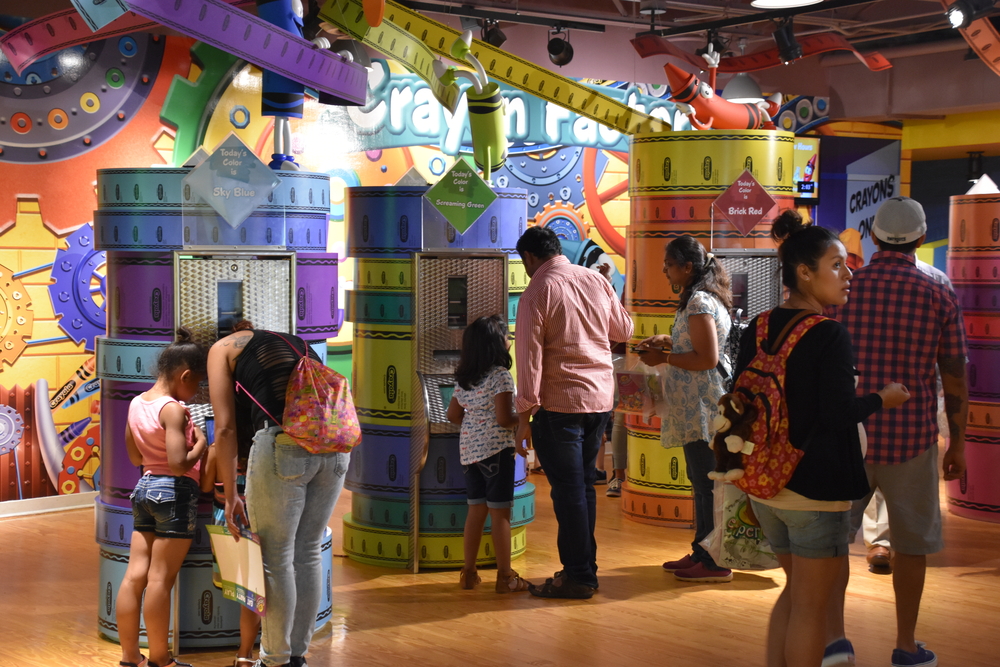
668	359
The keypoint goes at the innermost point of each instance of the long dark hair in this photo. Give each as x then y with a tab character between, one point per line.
484	345
800	244
182	353
707	274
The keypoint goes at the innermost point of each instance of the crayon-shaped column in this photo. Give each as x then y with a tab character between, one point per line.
386	228
974	269
147	217
674	179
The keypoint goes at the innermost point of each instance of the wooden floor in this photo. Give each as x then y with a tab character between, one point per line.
641	616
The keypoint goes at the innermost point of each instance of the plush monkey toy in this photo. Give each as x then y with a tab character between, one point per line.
732	428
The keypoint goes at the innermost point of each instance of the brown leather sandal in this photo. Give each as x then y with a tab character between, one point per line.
512	582
469	579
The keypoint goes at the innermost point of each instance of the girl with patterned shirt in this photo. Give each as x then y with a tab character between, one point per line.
483	403
694	385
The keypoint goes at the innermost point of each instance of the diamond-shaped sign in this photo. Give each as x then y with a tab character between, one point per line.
233	181
461	196
745	203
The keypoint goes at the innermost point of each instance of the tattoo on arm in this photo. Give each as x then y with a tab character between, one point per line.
242	342
953	366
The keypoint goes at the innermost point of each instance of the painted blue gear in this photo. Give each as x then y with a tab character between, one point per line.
557	177
74	271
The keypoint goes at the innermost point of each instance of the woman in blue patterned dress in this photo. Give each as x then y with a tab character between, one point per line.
694	385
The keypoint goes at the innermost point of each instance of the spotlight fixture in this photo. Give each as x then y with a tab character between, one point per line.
975	166
783	4
718	46
789	49
560	50
963	12
492	34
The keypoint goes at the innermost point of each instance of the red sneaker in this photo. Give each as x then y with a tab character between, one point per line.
682	564
700	573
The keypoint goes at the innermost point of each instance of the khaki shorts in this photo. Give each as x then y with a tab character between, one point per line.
911	499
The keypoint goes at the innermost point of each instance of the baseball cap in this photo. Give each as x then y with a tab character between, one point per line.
899	220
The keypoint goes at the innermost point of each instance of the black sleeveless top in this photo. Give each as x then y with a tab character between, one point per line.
263	369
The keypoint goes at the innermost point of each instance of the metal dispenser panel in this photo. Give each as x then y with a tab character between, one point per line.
264	285
756	279
438	338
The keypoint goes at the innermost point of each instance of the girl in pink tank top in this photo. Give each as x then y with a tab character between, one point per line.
161	439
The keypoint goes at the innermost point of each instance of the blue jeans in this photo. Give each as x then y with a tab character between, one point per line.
700	460
290	497
567	445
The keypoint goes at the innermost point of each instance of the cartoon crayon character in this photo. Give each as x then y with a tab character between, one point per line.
697	99
281	97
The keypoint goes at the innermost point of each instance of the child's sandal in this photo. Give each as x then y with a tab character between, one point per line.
125	663
243	661
511	583
469	579
174	662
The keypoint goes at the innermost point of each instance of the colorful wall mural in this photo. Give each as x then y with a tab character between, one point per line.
143	100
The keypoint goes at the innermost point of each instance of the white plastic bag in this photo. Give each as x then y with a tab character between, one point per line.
737	542
637	387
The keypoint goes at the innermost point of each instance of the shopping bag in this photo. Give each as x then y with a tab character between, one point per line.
638	387
240	567
737	542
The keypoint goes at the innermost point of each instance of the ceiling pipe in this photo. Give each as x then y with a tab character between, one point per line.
840	58
755	18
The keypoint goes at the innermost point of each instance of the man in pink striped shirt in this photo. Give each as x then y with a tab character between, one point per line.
566	320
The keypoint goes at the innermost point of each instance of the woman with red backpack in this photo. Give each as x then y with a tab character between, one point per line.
804	504
290	491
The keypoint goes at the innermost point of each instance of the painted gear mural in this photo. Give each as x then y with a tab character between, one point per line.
78	272
11	429
77	98
564	220
16	316
552	174
189	106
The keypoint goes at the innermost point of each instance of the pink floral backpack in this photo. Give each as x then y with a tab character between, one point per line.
769	467
319	411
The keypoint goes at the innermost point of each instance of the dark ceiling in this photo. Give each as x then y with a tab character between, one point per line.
872	22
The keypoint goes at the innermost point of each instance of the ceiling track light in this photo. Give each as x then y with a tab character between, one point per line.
560	50
492	34
975	167
789	50
963	12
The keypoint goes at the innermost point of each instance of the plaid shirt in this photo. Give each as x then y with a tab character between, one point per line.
901	322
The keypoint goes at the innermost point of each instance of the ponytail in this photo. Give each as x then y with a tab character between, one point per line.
799	244
707	275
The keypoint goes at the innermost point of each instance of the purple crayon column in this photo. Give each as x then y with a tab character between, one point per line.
317	309
974	269
140	294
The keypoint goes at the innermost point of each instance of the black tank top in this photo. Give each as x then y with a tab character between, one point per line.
263	369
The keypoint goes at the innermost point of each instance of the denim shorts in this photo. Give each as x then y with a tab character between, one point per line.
491	480
166	506
804	533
